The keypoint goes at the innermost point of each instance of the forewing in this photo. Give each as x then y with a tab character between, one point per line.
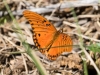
43	30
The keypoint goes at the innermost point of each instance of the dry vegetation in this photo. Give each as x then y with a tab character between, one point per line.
88	16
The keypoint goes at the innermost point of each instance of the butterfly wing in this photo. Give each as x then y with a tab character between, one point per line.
44	34
63	43
43	30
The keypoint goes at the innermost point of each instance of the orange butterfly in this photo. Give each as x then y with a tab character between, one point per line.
46	37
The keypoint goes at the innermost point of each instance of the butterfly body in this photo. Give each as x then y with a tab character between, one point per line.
46	37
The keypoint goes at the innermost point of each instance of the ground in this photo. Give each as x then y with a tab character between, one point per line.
15	61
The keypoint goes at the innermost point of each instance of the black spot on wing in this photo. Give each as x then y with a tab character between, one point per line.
27	22
30	20
34	36
53	57
48	24
65	37
32	23
36	43
43	21
39	35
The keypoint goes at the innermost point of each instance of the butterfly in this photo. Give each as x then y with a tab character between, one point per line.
47	39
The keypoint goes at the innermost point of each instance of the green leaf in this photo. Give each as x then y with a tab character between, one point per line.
94	47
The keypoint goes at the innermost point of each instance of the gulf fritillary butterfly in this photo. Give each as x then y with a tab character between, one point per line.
46	37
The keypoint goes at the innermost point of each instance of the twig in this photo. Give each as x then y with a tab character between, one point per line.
50	8
13	44
74	25
89	16
25	64
86	37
